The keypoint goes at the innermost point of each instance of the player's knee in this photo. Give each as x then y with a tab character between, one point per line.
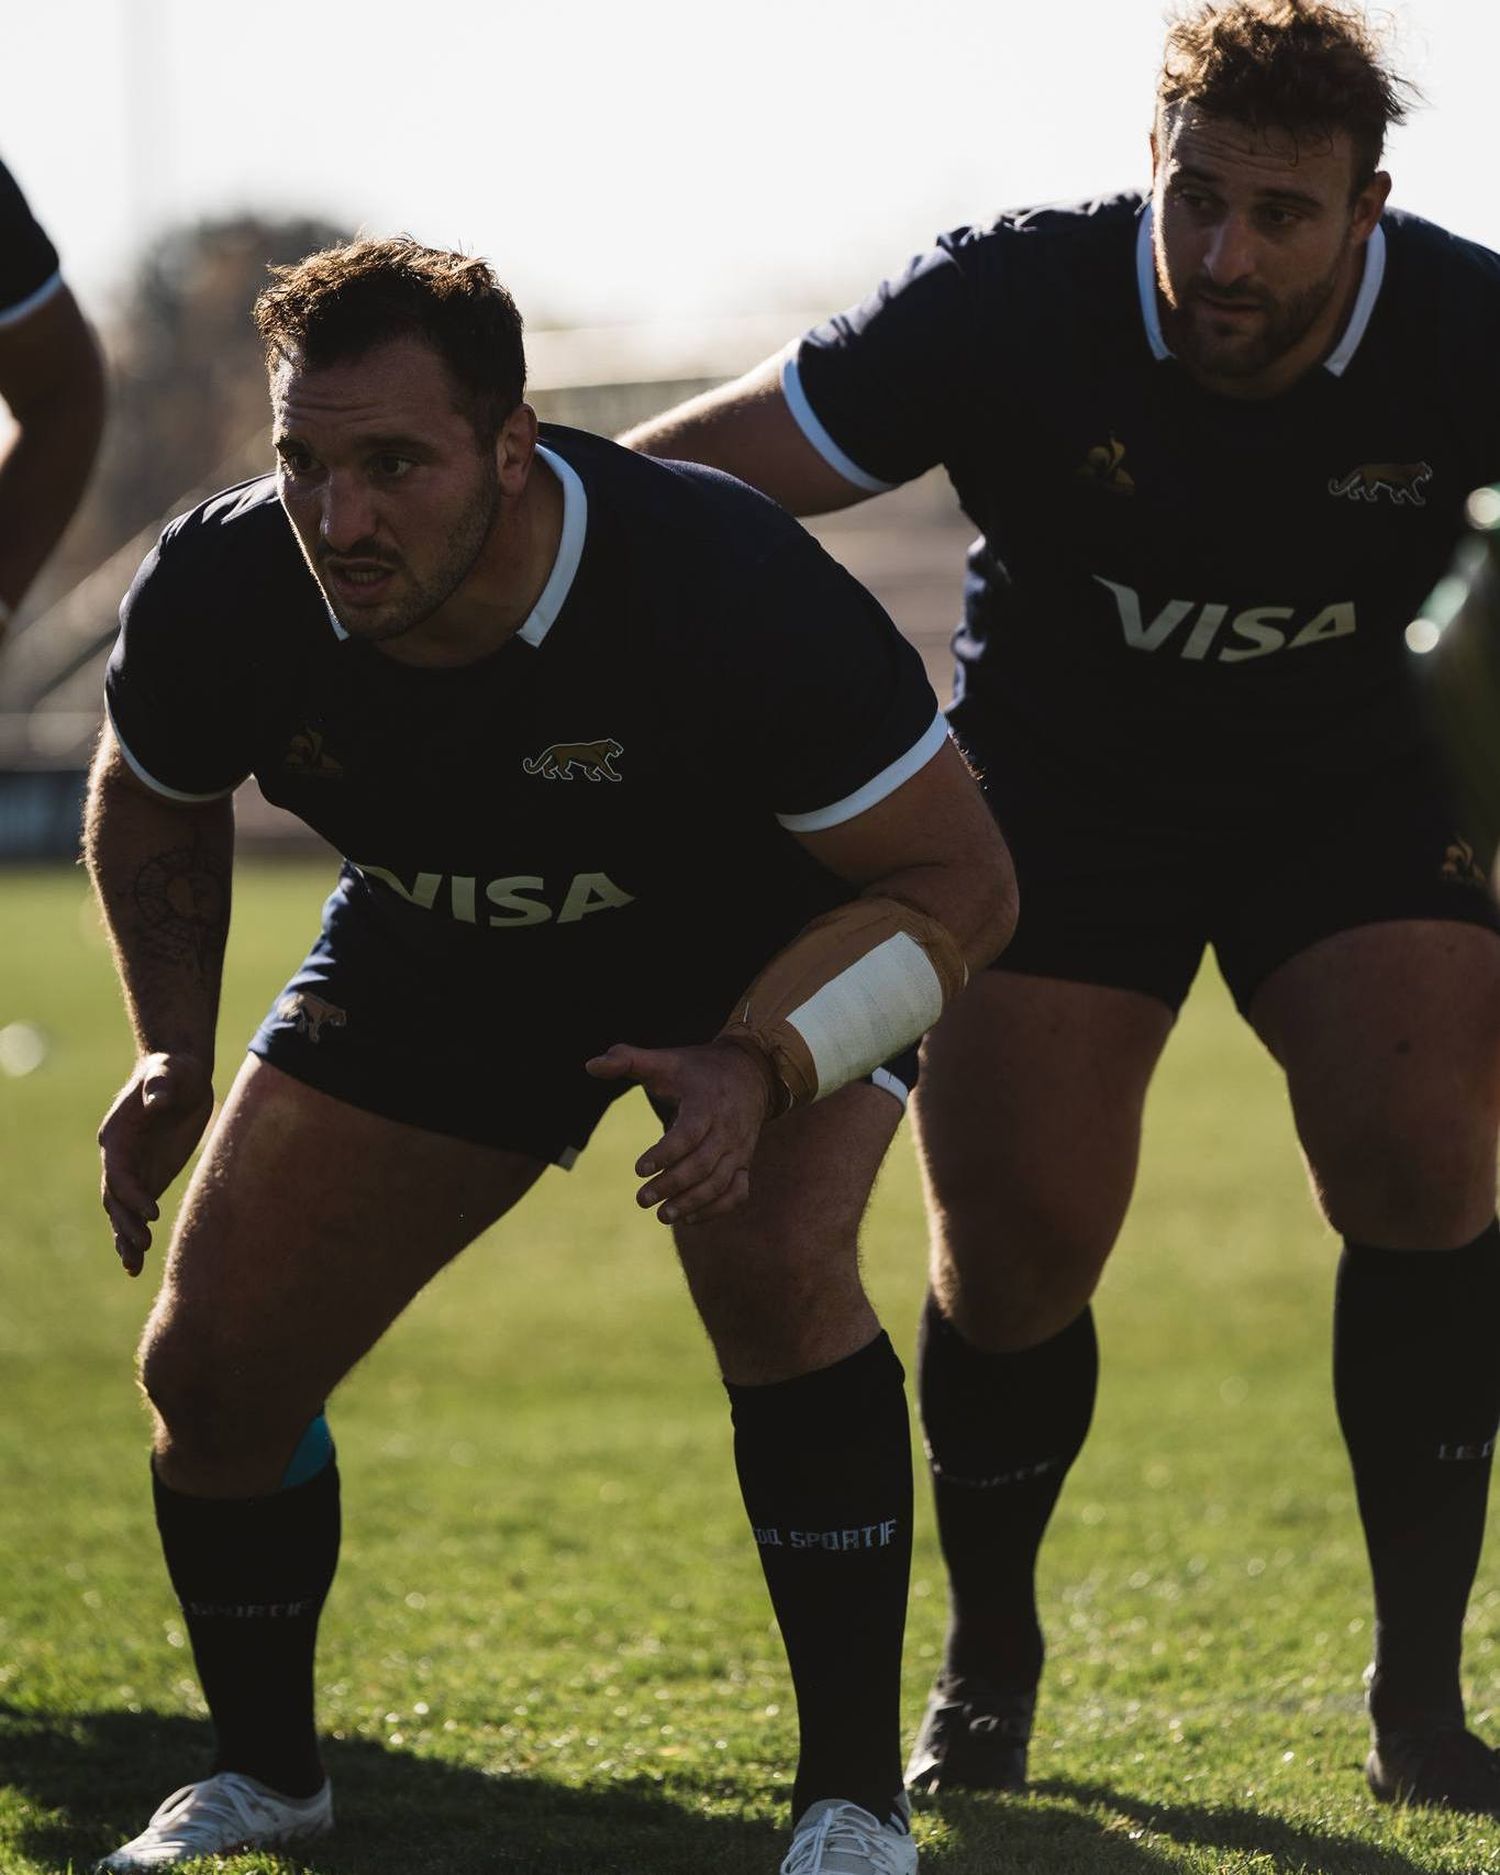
1008	1317
1418	1184
204	1419
193	1417
1015	1284
767	1342
782	1319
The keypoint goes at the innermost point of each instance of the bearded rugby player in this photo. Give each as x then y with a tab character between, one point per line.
52	381
1216	441
634	785
1455	645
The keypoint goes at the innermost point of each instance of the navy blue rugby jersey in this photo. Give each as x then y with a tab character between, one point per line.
29	272
1172	590
613	793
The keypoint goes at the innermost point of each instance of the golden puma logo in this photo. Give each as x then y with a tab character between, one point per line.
1105	463
310	1015
305	753
592	758
1402	481
1459	863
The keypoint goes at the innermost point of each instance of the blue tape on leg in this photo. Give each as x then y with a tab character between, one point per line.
314	1452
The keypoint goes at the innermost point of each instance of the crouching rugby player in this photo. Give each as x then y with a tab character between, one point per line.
634	777
1217	442
52	382
1455	642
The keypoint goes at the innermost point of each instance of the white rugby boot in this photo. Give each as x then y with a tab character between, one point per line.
833	1837
217	1817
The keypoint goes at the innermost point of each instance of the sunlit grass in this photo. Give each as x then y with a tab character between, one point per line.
549	1649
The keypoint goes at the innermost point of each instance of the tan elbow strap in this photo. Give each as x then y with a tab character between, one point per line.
856	987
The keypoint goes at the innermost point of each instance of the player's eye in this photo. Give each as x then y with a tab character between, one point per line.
294	460
389	466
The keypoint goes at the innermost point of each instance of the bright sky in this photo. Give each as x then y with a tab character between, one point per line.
640	159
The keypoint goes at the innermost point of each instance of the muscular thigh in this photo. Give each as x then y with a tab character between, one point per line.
1390	1038
1379	849
1028	1118
308	1226
777	1282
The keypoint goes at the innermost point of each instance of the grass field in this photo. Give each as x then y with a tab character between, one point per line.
549	1648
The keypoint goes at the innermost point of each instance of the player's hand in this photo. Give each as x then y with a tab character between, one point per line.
700	1167
146	1138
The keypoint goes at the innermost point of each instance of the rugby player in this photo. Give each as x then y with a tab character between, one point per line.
52	380
634	785
1216	441
1456	644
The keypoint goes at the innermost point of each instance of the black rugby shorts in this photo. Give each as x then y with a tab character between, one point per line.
1131	902
452	1042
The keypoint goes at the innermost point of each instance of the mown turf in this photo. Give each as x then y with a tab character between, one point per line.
549	1649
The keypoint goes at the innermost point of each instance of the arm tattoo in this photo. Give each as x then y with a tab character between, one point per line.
183	901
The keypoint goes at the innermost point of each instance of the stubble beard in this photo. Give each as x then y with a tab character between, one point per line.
424	597
1235	355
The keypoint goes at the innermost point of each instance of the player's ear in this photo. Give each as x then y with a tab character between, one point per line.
515	447
1369	204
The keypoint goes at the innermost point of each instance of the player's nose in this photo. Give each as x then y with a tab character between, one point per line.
348	513
1230	255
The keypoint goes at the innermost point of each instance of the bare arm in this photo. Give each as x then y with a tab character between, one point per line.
161	870
933	847
746	429
52	378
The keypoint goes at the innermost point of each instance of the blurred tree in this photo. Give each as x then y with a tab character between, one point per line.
188	387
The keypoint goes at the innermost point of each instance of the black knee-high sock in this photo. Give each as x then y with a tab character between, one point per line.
252	1575
1417	1382
825	1468
1002	1431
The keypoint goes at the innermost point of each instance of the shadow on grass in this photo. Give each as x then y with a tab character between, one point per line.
101	1774
1293	1848
1015	1836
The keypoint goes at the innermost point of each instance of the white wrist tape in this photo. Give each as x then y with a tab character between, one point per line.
853	989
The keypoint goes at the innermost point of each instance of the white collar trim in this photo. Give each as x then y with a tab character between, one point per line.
1337	361
1145	280
569	549
543	615
1342	355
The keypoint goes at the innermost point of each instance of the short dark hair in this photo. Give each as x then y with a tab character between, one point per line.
337	304
1311	67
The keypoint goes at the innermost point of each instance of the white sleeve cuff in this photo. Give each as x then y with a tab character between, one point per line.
33	302
806	419
144	774
877	788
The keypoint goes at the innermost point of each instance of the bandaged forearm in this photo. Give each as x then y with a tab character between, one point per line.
856	987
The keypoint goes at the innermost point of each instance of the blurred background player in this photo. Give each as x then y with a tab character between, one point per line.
539	693
1457	643
52	380
1217	442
